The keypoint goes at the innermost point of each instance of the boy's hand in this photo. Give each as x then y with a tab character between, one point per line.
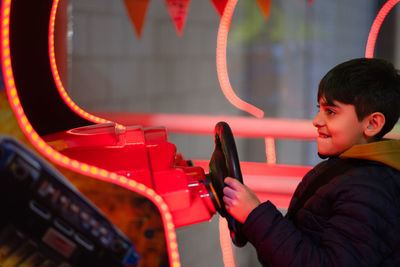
239	199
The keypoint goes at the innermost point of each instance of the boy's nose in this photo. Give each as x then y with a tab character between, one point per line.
317	121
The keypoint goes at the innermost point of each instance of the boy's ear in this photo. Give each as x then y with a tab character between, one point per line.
375	123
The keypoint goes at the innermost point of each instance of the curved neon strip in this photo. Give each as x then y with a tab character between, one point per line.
222	69
69	163
56	76
376	26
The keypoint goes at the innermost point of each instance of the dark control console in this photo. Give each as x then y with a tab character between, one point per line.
45	221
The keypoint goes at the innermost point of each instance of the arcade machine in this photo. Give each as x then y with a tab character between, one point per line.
106	194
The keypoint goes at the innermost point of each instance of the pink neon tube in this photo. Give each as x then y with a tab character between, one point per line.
222	69
204	124
376	25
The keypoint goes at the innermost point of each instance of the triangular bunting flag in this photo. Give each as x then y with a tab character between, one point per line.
137	12
265	6
220	6
178	10
310	2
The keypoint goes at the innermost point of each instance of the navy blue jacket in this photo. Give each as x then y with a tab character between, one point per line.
354	220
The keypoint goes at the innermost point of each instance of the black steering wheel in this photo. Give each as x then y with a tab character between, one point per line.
225	162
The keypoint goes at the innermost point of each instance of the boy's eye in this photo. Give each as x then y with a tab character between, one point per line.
327	110
330	111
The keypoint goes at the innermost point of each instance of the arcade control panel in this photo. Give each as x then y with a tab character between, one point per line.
45	221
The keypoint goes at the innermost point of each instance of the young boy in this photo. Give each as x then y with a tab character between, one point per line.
352	216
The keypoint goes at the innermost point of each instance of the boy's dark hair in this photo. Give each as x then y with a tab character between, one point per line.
370	84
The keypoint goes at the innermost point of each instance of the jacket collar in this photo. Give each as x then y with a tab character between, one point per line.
385	151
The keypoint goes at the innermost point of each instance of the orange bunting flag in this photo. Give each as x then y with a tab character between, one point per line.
178	10
137	12
265	6
220	6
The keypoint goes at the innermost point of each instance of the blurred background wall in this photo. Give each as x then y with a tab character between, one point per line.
275	64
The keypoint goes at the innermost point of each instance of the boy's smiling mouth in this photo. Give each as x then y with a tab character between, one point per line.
323	135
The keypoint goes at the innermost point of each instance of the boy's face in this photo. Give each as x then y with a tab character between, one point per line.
338	128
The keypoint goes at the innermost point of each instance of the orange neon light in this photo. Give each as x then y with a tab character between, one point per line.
222	69
270	150
56	76
376	26
59	158
226	243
